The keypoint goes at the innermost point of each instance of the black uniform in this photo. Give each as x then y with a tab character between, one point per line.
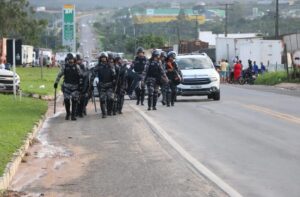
174	75
70	87
152	76
84	91
138	67
121	86
107	78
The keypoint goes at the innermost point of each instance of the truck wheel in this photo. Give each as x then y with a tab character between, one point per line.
217	96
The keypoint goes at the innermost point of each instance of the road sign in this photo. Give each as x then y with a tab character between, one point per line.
69	28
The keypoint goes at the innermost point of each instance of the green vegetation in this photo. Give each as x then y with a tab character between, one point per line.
17	119
32	83
273	78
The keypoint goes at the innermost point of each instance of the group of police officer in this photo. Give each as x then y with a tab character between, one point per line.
114	82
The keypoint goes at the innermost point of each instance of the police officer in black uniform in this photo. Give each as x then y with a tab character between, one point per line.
121	84
71	85
107	78
152	75
84	94
139	67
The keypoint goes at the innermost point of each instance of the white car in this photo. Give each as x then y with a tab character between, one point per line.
200	77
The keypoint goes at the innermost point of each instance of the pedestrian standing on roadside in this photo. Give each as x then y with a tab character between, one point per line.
151	76
238	70
71	85
255	68
262	68
164	81
223	68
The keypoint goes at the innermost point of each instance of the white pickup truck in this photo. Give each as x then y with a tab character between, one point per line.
7	81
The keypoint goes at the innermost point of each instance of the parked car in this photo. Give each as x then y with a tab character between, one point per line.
200	77
7	81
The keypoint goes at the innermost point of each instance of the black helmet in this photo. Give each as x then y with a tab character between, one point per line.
172	55
117	58
103	54
140	50
110	55
70	56
78	57
163	54
155	53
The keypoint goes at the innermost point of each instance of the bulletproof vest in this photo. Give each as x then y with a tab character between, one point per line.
105	74
139	64
71	74
153	70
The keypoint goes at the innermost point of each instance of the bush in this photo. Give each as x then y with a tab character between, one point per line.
271	78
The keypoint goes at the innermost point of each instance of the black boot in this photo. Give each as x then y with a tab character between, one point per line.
138	96
168	99
149	102
67	106
154	101
142	96
109	107
74	107
103	109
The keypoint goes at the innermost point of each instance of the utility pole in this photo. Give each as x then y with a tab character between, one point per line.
226	17
277	20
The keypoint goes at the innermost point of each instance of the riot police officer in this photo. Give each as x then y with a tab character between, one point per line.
164	82
121	84
71	85
84	94
174	75
153	73
139	67
106	75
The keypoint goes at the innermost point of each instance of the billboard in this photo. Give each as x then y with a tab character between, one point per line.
69	28
142	19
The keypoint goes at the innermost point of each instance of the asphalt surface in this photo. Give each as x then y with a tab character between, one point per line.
250	139
118	156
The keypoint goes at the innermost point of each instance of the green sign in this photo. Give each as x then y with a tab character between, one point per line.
69	27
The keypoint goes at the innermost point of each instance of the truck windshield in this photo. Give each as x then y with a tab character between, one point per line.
194	63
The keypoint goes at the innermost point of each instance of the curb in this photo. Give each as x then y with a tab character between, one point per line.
13	166
189	158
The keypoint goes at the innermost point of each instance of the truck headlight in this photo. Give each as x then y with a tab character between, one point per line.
213	79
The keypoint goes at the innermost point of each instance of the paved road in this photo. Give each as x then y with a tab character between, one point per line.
118	156
87	38
250	139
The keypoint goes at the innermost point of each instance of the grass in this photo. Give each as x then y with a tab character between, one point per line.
17	120
273	78
32	83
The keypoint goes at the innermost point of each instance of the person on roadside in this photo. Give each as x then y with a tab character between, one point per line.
152	76
139	64
121	84
84	89
164	81
71	84
228	71
255	68
238	70
262	68
223	68
174	76
107	78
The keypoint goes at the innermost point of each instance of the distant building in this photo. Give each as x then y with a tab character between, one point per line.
175	5
40	9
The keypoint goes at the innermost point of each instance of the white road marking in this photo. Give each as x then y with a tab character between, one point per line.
193	161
